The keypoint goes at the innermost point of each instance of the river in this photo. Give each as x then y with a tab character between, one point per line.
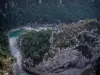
15	52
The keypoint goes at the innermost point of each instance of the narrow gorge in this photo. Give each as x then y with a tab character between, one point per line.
49	37
74	48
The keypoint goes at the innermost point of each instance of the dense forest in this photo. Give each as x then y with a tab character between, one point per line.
21	12
51	11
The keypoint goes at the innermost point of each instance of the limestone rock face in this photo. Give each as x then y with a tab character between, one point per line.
75	50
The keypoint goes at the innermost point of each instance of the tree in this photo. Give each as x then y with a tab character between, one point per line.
38	46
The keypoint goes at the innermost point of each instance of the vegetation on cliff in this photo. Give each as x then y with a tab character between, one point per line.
69	34
35	44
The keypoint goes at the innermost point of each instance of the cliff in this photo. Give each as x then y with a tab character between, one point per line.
75	50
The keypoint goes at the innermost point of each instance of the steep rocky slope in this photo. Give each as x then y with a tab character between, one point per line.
75	50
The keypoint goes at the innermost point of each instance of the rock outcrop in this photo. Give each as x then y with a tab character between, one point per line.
75	50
